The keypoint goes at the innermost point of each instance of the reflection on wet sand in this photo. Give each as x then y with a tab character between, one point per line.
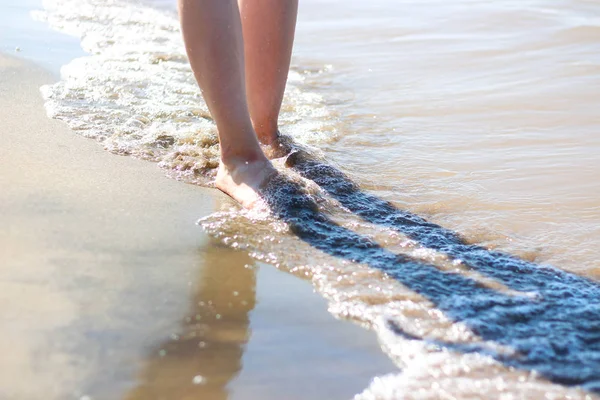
205	354
94	275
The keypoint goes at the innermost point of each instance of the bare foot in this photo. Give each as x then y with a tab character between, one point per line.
243	180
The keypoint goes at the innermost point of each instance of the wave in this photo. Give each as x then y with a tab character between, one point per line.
136	93
458	319
446	311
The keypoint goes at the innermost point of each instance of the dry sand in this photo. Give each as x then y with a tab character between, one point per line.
109	290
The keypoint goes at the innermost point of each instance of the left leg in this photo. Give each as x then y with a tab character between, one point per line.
268	27
212	33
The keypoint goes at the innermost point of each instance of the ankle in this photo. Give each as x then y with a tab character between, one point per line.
233	160
267	133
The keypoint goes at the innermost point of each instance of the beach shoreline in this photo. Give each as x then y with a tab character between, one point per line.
456	234
104	272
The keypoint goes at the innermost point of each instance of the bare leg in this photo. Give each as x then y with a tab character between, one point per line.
268	27
213	37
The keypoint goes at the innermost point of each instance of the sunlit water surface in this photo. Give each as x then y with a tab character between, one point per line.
481	117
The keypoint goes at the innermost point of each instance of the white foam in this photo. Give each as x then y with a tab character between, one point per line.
135	92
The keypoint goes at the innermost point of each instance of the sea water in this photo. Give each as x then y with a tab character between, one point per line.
443	185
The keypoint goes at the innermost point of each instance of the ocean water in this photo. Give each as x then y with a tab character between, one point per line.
443	186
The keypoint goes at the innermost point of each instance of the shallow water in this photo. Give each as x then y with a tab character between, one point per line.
479	117
482	115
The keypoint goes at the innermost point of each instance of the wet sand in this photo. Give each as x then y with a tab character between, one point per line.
486	129
108	289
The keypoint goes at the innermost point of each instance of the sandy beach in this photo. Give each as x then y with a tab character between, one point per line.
108	289
443	192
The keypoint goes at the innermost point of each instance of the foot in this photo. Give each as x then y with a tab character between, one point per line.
277	147
244	180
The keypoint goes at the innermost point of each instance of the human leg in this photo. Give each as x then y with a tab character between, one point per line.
268	29
213	38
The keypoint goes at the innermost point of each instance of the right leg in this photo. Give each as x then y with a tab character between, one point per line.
213	38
